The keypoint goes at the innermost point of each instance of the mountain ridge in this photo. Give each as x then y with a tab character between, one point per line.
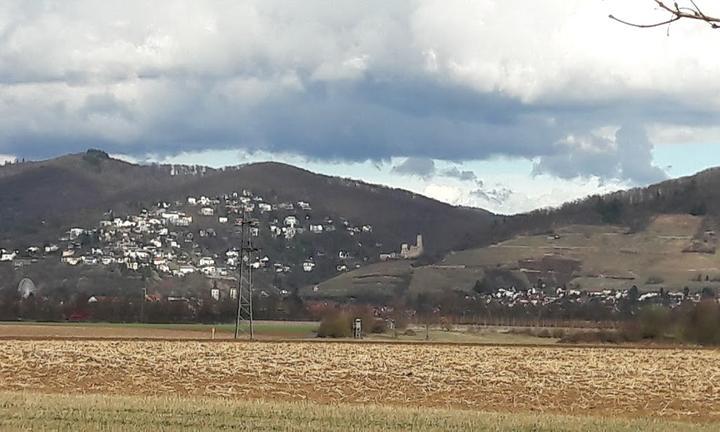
54	194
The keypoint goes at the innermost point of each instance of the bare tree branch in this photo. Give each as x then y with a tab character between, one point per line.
677	13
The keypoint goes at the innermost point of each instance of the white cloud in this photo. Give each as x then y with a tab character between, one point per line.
7	158
437	79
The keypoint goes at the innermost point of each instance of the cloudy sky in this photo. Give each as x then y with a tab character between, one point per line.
504	104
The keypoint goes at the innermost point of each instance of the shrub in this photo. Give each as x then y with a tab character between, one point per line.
631	331
526	331
544	333
335	325
599	336
654	321
702	324
557	333
377	325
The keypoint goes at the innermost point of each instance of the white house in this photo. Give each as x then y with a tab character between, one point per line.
289	233
192	201
291	221
208	271
187	269
6	256
206	261
183	221
304	205
308	266
316	229
71	260
169	216
76	232
223	219
207	211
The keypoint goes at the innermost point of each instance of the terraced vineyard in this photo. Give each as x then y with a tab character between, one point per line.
668	383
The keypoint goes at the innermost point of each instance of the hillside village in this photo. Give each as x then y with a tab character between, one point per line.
201	235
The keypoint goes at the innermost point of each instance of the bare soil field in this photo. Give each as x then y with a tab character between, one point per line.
661	383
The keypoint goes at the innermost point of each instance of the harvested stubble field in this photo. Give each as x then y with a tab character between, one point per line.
669	383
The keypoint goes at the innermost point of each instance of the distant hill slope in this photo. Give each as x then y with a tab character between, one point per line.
635	208
396	215
664	235
39	200
664	254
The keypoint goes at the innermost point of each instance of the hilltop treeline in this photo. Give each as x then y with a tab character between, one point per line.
696	195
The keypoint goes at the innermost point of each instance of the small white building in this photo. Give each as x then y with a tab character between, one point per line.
186	269
206	261
308	266
76	232
207	211
7	256
291	221
316	229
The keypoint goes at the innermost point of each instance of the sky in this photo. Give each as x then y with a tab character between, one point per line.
509	105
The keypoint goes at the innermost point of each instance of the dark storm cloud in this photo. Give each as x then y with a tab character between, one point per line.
462	175
361	81
628	156
421	167
425	168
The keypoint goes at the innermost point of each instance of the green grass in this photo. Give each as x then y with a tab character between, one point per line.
38	412
463	335
289	328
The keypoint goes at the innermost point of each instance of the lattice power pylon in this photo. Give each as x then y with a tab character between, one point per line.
245	287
